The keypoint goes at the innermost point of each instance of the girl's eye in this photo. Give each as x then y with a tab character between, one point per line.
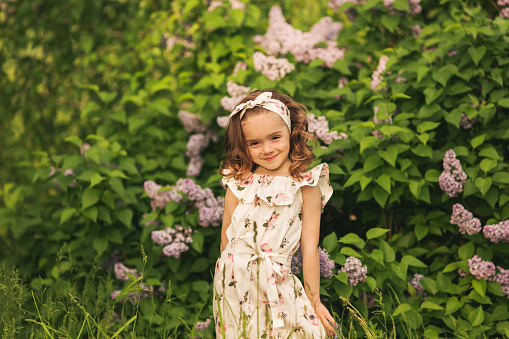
274	138
253	143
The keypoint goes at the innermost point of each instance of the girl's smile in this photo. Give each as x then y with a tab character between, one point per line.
268	142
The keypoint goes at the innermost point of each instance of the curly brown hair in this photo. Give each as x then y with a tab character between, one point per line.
238	163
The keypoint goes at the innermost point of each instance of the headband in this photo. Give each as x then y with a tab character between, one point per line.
265	100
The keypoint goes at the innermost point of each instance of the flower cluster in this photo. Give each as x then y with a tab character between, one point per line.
135	296
416	31
497	232
320	127
192	122
282	38
414	6
356	272
416	283
481	269
465	220
503	279
335	4
235	4
377	121
210	208
465	122
83	149
69	171
453	177
238	66
121	272
236	92
169	41
377	77
202	325
272	68
175	240
504	8
326	264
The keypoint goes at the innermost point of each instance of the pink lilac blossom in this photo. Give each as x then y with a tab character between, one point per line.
415	7
170	235
236	92
498	232
452	52
326	264
282	38
342	82
223	121
377	77
481	269
170	41
272	68
202	325
195	146
238	66
83	149
453	177
214	4
67	172
356	272
465	220
416	283
135	296
175	249
377	121
416	31
121	272
192	122
503	279
160	199
320	127
335	4
467	123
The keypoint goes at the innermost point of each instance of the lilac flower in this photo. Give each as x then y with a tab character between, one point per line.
481	269
377	77
175	249
416	31
452	52
236	92
67	172
498	232
503	279
160	199
238	66
335	4
214	4
326	264
192	122
356	272
320	127
467	123
388	3
415	8
121	272
377	121
135	296
453	177
223	121
202	325
83	149
504	14
416	283
282	38
465	220
272	68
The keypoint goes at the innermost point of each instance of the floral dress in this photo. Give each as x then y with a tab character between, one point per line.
255	293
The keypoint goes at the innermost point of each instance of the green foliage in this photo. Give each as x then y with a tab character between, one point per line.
103	75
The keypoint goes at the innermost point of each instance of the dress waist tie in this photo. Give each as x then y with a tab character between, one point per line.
271	262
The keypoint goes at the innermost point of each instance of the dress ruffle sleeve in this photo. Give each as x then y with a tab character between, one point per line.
279	190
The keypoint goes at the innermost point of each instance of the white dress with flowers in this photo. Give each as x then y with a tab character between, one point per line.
255	293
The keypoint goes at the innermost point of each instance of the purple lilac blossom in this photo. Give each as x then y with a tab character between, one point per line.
356	272
160	199
121	272
202	325
416	283
236	92
503	279
192	122
320	127
453	177
377	77
282	38
272	68
498	232
335	4
481	269
416	31
83	149
326	264
238	66
465	220
175	249
467	123
67	172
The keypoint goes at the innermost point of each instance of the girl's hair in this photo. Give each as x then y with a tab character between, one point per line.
238	163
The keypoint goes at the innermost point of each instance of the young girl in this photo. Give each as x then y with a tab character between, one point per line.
272	206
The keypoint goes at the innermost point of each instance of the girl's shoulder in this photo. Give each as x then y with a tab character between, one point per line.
278	190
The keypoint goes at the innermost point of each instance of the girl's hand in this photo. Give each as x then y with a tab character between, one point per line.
323	314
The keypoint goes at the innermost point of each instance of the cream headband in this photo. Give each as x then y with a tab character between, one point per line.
265	100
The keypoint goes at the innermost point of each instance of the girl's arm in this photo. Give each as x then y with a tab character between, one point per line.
230	203
311	213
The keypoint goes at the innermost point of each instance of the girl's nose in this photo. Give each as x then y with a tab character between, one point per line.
267	148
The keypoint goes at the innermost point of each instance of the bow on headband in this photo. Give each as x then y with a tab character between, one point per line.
265	100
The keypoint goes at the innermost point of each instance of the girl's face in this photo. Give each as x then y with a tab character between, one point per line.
268	142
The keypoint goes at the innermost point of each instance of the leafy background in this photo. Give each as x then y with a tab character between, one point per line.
101	73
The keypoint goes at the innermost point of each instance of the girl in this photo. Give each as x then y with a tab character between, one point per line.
271	207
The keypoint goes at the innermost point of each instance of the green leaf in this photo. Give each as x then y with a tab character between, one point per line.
67	214
168	220
125	216
431	94
400	96
389	253
75	140
368	142
501	178
402	308
476	317
410	260
352	239
371	282
390	155
330	242
504	102
90	197
421	72
385	182
100	245
478	141
423	151
487	165
198	241
390	22
427	126
380	196
374	233
431	306
477	53
483	184
421	231
348	251
453	304
479	286
466	251
95	179
335	169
